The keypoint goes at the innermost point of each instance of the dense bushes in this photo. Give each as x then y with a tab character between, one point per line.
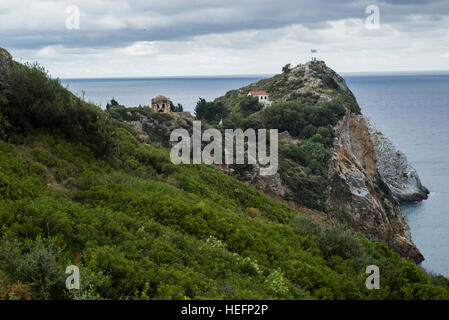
308	187
212	112
177	108
338	239
35	264
295	153
303	167
303	120
10	290
190	232
34	100
249	105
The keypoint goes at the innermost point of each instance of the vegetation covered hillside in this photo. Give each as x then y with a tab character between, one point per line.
78	188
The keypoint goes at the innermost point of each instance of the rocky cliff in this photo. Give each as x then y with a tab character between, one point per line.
358	193
398	174
367	176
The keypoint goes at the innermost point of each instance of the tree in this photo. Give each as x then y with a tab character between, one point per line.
286	68
210	111
250	104
177	108
112	103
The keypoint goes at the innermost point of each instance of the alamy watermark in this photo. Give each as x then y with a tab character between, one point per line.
373	280
73	280
72	22
372	22
189	149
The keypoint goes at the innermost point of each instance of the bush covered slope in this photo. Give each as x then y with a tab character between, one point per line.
76	187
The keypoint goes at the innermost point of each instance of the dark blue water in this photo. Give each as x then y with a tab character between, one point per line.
412	110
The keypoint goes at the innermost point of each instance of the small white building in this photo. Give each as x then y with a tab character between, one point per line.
262	96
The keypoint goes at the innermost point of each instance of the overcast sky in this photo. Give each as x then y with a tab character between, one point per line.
209	37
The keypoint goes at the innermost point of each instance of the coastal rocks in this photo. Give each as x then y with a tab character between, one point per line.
401	178
358	193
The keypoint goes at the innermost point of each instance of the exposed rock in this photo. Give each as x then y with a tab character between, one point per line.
6	65
358	193
287	138
272	184
185	114
393	167
157	127
142	136
313	74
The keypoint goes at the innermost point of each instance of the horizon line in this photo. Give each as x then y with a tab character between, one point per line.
350	73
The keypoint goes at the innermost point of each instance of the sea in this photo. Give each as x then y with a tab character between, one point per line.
411	109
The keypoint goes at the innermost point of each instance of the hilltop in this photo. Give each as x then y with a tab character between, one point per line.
333	158
96	188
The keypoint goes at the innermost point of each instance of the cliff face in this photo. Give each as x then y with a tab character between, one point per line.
398	174
358	193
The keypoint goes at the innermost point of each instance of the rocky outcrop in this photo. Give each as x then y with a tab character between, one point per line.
358	193
316	75
157	127
398	174
287	138
6	65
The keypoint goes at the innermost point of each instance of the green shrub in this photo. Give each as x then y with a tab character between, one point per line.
318	151
338	239
34	100
35	264
10	290
212	112
295	153
250	104
306	226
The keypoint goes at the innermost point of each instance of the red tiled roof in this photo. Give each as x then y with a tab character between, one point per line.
258	93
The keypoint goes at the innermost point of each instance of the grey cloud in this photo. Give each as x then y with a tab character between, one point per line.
181	19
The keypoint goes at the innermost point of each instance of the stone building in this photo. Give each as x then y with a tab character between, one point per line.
160	104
